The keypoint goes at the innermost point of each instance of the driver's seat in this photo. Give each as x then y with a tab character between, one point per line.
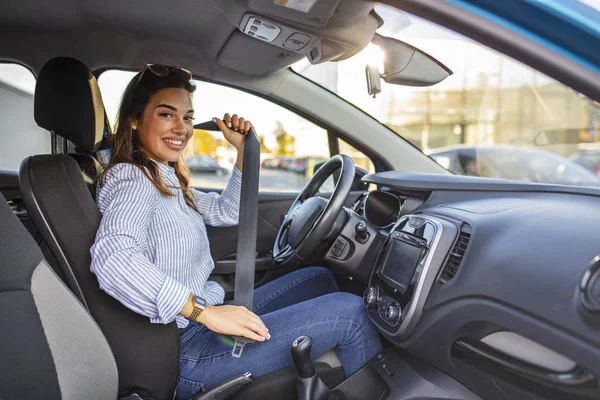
64	212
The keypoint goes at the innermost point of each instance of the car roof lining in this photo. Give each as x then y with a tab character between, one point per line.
188	33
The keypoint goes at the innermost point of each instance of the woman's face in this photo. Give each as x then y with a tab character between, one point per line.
166	125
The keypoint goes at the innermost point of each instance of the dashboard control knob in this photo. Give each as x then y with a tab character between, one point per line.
362	233
393	312
371	296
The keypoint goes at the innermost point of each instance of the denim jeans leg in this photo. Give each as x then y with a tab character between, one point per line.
335	320
295	287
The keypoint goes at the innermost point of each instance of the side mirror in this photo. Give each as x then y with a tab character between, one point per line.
404	65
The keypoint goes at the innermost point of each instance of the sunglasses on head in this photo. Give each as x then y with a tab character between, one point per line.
164	71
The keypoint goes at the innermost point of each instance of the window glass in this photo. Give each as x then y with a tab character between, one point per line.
490	100
19	134
291	146
359	158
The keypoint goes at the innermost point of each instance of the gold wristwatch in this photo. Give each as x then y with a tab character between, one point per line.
199	306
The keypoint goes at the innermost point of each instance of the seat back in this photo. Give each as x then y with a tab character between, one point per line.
63	210
50	347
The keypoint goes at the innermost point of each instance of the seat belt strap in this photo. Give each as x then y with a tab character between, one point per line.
246	243
247	232
247	229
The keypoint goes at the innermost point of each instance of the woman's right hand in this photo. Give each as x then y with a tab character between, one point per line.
235	321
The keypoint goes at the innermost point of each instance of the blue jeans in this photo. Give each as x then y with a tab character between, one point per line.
303	302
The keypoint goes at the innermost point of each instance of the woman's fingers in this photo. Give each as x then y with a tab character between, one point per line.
237	123
247	333
222	124
261	325
258	329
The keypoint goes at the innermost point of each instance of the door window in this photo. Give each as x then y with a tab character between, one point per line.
291	146
20	136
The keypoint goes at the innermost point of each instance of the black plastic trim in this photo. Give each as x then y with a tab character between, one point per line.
403	180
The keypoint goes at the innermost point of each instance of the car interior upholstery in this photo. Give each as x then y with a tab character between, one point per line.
480	288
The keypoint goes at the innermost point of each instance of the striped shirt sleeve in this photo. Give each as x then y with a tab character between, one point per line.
223	209
127	202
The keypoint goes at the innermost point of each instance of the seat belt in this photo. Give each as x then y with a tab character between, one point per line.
247	229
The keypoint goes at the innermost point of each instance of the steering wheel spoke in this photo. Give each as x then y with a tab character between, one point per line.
310	217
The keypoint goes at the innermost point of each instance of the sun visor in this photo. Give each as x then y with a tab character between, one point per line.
252	56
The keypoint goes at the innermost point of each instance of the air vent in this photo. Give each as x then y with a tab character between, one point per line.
456	255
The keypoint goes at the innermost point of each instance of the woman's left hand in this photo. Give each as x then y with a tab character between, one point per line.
234	129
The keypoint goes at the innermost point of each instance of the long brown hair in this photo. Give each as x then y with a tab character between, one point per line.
126	147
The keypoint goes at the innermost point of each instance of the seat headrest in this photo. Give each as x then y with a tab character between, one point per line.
68	102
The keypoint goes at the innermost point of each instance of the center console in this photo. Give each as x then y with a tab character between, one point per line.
409	262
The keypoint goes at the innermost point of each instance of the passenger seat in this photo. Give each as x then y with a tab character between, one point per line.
50	347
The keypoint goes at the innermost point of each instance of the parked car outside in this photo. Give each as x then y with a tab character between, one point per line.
270	163
589	159
205	164
515	163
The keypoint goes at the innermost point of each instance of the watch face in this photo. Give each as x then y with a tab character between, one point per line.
200	301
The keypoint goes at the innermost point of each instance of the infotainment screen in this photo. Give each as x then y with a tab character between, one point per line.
400	262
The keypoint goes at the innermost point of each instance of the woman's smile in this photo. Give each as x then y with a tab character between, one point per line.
174	144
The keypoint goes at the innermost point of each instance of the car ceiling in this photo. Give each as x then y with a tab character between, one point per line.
201	35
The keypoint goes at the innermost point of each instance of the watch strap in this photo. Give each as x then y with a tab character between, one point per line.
199	306
195	313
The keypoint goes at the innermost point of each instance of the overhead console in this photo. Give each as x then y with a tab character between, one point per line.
281	32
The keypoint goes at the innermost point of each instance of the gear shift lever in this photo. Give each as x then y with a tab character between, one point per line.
310	386
301	356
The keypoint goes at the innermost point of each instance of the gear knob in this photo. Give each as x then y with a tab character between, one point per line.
301	356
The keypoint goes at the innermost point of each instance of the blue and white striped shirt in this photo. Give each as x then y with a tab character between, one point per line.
151	250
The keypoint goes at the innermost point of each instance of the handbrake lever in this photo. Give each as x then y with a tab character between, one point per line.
226	389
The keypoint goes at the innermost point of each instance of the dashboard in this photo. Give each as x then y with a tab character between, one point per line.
495	283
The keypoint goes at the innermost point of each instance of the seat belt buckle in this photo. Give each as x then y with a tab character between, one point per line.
238	345
237	350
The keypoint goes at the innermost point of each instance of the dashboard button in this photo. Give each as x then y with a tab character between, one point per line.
338	248
393	312
372	296
416	222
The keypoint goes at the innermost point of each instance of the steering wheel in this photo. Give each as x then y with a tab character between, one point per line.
310	218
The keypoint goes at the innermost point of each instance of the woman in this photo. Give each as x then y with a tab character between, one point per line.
152	252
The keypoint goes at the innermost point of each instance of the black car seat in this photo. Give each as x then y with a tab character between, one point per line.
63	210
68	102
50	347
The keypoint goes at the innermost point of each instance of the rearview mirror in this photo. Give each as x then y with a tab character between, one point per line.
405	65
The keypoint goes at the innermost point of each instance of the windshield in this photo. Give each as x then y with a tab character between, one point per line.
490	99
